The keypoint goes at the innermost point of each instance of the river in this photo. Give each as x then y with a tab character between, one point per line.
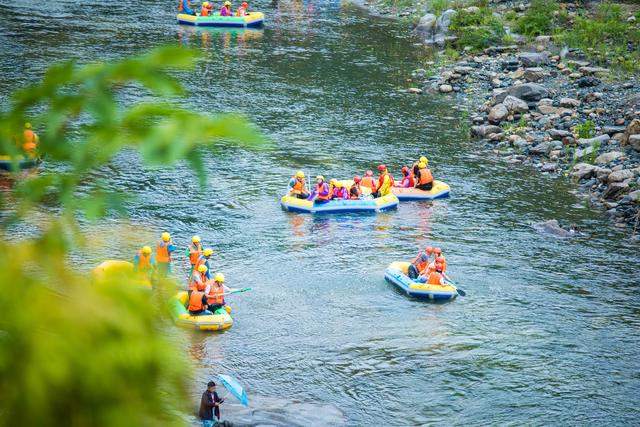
549	333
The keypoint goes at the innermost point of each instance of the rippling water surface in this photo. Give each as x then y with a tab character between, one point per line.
549	332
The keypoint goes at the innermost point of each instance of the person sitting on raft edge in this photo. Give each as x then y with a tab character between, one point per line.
368	181
298	186
321	193
207	9
355	191
339	191
243	10
185	6
226	9
424	179
408	180
385	182
415	167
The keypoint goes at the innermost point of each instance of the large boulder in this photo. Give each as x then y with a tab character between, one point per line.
588	81
634	141
515	105
529	92
426	26
553	228
600	139
569	103
606	158
615	189
583	171
632	129
533	74
444	20
498	113
485	130
532	59
621	175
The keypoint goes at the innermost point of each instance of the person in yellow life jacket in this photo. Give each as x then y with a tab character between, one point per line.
198	280
215	296
298	186
194	250
207	9
243	9
163	254
385	182
144	262
30	141
424	179
415	168
368	181
420	263
205	259
198	304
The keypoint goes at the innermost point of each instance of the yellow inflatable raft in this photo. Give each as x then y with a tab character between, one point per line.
396	274
122	271
218	321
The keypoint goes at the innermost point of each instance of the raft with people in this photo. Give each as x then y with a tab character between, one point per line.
219	320
341	196
7	163
241	18
397	274
440	190
117	271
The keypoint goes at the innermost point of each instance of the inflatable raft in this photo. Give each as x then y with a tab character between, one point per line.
218	321
396	274
293	204
121	271
251	20
440	190
6	163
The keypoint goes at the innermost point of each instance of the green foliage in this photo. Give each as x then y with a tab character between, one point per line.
439	6
74	352
478	30
538	19
510	16
586	129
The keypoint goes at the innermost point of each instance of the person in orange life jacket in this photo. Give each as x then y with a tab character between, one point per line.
144	262
436	277
407	178
198	303
415	168
339	191
184	6
163	254
368	181
205	259
29	140
321	193
207	9
298	186
431	268
385	182
226	9
420	263
194	250
355	192
243	9
215	295
199	280
438	257
424	179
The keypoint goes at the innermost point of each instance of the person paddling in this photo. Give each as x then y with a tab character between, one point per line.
420	263
210	406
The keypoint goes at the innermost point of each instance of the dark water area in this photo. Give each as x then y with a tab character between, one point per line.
549	333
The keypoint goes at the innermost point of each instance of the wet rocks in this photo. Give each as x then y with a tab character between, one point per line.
529	92
532	59
598	140
588	81
569	103
620	175
552	227
606	158
582	171
534	74
445	88
498	113
426	25
515	105
485	130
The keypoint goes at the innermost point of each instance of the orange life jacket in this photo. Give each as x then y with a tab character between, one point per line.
241	11
205	11
195	250
435	278
419	263
198	281
368	182
425	176
299	185
144	261
162	252
180	6
195	301
201	260
216	292
30	141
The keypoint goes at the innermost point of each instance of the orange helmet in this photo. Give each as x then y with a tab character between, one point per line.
245	4
356	179
405	169
437	251
382	167
439	260
429	250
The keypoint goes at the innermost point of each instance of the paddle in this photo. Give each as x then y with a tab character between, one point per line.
460	291
236	291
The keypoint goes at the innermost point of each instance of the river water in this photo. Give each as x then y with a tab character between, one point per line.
550	330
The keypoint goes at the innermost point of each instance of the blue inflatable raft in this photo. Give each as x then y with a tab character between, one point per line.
396	274
380	204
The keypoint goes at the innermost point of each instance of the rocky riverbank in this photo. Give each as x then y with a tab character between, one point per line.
537	102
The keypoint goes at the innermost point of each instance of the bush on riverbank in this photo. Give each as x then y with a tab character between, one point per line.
477	28
539	18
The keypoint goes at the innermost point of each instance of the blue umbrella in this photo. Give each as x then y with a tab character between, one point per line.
235	388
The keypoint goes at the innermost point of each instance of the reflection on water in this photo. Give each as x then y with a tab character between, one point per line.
550	328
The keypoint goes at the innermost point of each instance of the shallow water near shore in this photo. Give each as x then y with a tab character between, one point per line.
549	332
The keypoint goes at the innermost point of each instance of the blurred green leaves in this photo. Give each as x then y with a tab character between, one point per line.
73	351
